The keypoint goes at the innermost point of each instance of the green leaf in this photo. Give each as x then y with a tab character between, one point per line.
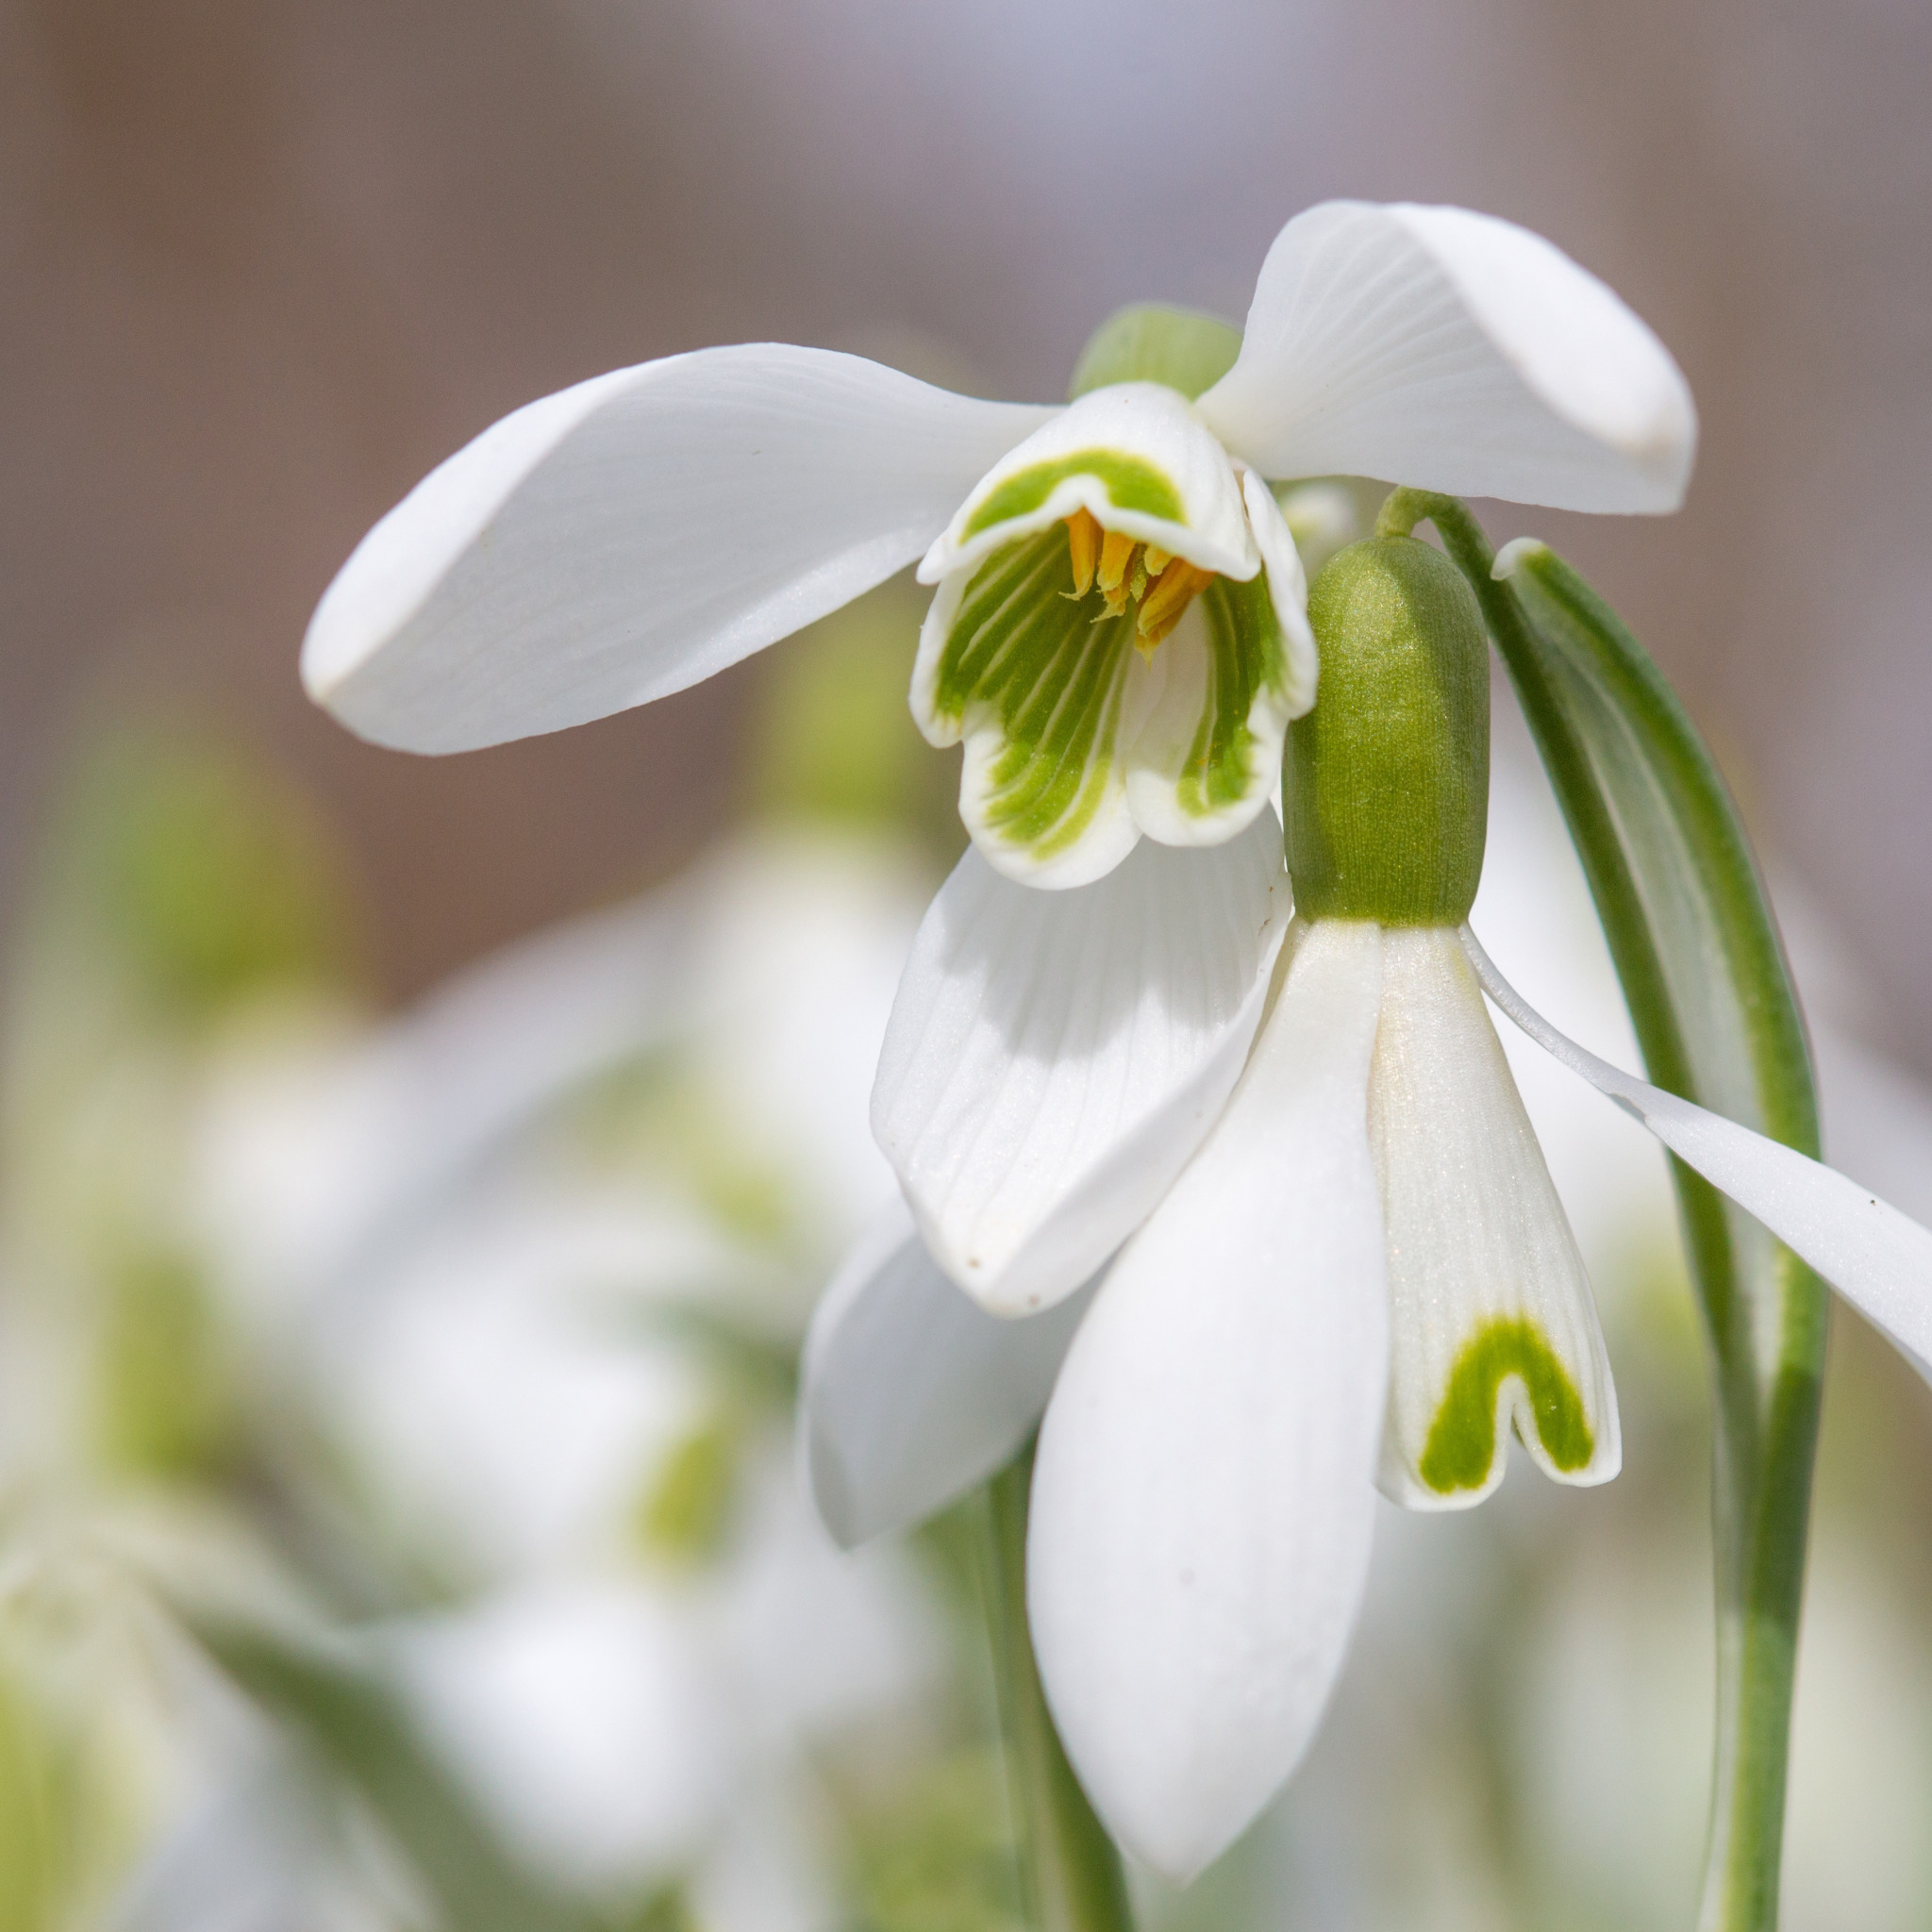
355	1725
1692	938
1150	342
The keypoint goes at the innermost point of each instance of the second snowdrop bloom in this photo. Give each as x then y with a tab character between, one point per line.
1118	633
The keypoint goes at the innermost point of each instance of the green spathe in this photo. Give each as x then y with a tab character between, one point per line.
1461	1448
1149	341
1386	780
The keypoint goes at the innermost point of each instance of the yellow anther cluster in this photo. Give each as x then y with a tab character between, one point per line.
1127	572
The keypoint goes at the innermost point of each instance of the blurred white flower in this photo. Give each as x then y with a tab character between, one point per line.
533	1259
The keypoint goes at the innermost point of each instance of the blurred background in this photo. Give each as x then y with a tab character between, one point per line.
314	1227
265	265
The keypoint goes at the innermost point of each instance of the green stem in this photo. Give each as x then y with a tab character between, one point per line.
1070	1873
1766	1321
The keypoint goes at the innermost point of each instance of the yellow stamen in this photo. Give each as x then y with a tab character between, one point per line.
1116	553
1127	571
1083	549
1167	604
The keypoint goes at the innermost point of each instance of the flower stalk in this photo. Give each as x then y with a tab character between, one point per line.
1696	947
1071	1879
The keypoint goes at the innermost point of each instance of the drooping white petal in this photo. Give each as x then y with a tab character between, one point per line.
912	1391
1204	1497
1874	1255
1137	456
631	536
1491	1317
1452	351
1054	1057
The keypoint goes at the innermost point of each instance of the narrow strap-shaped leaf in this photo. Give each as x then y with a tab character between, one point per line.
1878	1259
355	1725
1696	947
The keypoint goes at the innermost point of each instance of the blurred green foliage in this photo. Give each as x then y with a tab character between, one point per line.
685	1511
166	1397
659	1117
206	878
833	739
356	1724
30	1817
936	1853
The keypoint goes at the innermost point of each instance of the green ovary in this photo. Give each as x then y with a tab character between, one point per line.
1462	1439
1131	484
1387	781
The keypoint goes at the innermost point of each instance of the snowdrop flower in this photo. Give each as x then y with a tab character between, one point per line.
1343	1258
1363	1275
1118	635
630	535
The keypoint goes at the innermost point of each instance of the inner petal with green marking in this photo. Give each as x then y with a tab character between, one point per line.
1491	1321
1509	1361
1137	458
1104	688
1131	484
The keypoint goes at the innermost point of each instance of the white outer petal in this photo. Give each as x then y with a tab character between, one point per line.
911	1392
1204	1501
1474	1229
1141	419
1874	1256
633	535
1452	351
1054	1057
